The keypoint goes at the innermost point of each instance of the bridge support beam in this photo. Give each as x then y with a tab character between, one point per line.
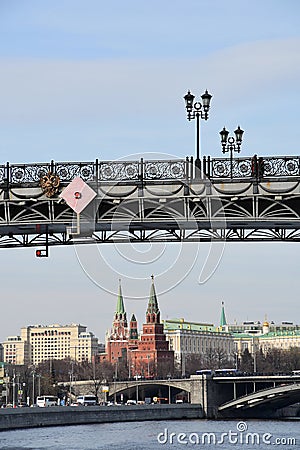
210	394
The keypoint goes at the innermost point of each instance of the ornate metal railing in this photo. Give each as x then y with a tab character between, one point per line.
123	171
278	166
286	166
222	168
119	171
100	171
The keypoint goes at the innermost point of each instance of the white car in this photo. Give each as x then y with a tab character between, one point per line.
131	402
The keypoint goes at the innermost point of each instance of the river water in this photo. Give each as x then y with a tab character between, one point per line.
229	434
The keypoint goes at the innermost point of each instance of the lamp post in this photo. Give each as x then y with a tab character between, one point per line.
71	380
148	361
115	394
197	110
19	390
115	380
7	390
254	354
14	389
137	391
33	386
169	376
231	144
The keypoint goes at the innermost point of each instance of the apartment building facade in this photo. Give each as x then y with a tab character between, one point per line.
45	342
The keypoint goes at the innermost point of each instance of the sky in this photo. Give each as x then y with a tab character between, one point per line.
81	80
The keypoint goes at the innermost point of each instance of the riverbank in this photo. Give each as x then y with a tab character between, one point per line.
57	416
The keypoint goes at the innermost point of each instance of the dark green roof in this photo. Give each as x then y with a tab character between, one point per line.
271	334
223	321
120	302
181	324
152	304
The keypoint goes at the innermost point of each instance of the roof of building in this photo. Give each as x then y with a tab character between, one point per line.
271	334
181	324
120	302
152	304
283	333
223	321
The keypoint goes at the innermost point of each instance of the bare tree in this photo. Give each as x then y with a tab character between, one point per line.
221	357
98	373
246	364
193	362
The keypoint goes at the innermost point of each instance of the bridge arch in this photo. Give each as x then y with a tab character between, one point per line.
259	403
150	388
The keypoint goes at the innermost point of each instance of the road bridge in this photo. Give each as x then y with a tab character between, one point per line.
152	201
219	396
264	401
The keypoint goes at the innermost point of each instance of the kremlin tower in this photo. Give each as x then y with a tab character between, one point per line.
148	355
117	338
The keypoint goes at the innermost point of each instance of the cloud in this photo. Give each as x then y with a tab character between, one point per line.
43	90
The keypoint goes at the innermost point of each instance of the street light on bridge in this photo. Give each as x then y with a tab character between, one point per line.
197	110
231	144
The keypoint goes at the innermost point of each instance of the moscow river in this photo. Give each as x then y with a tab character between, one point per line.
235	434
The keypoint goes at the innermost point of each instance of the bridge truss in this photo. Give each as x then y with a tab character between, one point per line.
153	201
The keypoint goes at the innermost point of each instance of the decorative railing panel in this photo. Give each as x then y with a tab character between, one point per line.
125	171
27	173
68	171
281	166
286	166
119	171
2	174
223	168
157	170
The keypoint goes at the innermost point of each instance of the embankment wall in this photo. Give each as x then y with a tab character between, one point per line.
59	415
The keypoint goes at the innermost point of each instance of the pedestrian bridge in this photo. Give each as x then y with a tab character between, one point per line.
151	201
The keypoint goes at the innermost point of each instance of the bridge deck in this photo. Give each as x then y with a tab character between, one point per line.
155	201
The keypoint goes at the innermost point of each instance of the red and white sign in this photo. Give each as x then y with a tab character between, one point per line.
78	195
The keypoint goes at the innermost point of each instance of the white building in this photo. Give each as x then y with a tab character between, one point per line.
192	338
267	336
45	342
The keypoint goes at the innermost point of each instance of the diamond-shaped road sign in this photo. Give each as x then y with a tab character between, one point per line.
78	195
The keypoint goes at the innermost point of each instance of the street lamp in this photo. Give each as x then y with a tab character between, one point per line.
14	389
169	376
197	110
70	389
148	358
231	144
33	385
254	354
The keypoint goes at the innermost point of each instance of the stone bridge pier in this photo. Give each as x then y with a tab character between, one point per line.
210	395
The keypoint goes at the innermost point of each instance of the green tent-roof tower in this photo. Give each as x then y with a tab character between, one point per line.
223	321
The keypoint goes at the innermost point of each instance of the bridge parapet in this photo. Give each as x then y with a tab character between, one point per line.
177	169
157	201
